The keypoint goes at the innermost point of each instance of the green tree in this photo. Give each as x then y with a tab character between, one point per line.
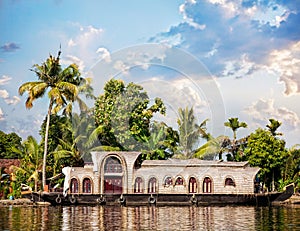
291	172
189	131
61	86
161	143
267	152
123	115
31	163
7	143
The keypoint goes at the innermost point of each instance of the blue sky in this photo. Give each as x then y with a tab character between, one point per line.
226	58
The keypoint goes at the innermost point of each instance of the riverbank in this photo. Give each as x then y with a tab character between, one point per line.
21	202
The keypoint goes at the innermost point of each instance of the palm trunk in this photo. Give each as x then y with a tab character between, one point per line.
46	144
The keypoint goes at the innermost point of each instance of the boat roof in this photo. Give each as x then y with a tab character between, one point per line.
194	163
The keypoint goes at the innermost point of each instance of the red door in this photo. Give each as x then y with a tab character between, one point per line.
113	185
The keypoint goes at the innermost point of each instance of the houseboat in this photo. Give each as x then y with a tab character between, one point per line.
118	178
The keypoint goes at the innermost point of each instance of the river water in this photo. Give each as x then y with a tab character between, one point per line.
149	218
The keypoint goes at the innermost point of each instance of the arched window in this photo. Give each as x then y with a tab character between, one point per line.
229	182
74	185
207	185
138	185
168	181
112	165
152	185
179	181
86	185
192	185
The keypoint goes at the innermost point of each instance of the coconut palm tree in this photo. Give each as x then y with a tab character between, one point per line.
189	130
61	86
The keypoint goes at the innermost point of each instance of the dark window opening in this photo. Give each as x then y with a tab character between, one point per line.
192	185
113	165
138	185
152	185
87	186
179	181
74	186
168	181
229	182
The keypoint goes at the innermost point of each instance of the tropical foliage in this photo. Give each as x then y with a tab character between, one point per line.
267	152
123	115
62	87
189	132
123	119
7	143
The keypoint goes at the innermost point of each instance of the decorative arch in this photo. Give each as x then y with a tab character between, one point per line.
87	185
168	181
229	181
74	185
179	180
152	185
207	185
193	185
114	172
138	185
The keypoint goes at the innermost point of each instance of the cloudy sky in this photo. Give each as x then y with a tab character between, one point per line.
226	58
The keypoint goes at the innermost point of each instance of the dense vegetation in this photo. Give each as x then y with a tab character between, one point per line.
122	119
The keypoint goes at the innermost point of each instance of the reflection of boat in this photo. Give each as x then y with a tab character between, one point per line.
118	178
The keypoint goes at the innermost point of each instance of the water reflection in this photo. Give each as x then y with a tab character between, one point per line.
149	218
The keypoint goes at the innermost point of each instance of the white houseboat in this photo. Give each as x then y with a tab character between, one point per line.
117	178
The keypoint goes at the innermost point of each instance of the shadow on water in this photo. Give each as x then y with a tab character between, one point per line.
149	218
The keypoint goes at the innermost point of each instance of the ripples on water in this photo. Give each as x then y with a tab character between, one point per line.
149	218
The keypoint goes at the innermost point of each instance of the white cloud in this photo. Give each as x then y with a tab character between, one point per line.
69	59
263	110
83	46
104	54
1	115
4	80
5	95
286	63
71	43
240	67
189	20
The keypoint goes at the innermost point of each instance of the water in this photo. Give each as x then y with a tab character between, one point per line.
149	218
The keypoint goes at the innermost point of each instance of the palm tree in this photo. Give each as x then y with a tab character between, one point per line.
31	163
190	131
62	87
213	147
273	126
234	124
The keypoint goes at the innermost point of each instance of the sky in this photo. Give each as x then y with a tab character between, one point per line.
224	58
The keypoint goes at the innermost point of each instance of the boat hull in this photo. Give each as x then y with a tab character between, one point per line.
158	199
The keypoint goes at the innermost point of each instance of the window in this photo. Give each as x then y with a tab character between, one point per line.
207	185
113	165
74	185
229	182
152	185
138	185
179	181
168	181
87	186
192	185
